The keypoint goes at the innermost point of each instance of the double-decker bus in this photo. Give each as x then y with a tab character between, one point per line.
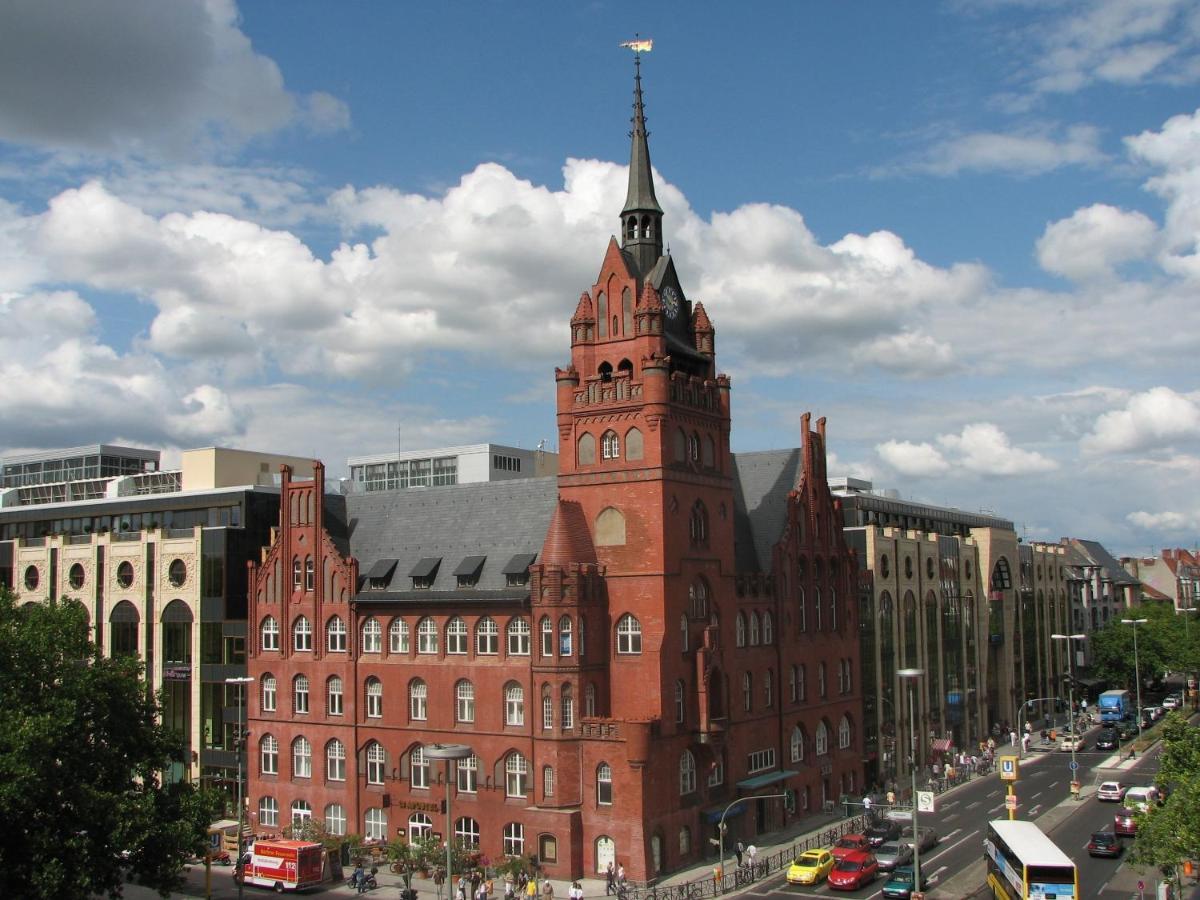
1024	864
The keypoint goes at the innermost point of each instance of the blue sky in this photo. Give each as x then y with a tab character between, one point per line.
965	232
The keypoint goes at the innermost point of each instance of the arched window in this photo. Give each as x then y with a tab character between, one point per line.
564	636
547	708
801	609
335	819
802	684
464	701
467	774
518	637
546	628
268	812
680	707
610	445
374	698
376	824
693	446
547	781
687	773
698	524
335	635
747	691
754	635
604	789
585	449
833	610
514	839
398	636
602	306
269	688
376	763
301	758
627	312
302	634
739	630
794	683
456	636
297	579
589	699
685	841
418	768
514	704
427	636
797	744
300	694
610	528
817	608
309	573
768	629
487	637
683	632
822	741
270	633
420	827
269	755
822	690
605	371
333	695
418	700
568	708
466	833
844	733
698	599
629	635
372	636
635	447
769	688
516	775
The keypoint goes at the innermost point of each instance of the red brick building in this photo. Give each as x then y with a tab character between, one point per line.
628	648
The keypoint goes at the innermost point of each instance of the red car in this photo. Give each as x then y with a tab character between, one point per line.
1124	823
853	870
850	843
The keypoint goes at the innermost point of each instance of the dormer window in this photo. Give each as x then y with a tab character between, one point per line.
379	576
516	571
468	571
424	572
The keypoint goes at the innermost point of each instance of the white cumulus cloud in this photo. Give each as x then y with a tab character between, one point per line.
917	460
1150	420
1094	240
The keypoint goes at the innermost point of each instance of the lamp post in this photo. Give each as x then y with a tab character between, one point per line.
721	828
450	753
240	745
1024	711
1071	703
912	675
1137	672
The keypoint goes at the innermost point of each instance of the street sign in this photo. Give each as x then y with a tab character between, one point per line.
1008	768
926	802
1010	801
1074	765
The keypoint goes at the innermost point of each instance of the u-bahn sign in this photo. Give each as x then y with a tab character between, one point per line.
1009	768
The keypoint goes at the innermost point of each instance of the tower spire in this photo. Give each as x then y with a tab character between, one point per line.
641	217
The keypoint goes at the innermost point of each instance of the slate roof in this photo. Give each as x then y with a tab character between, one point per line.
762	482
1096	555
498	520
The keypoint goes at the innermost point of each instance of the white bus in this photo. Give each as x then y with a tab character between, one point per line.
1024	864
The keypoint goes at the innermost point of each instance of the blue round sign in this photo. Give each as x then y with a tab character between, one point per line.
1074	766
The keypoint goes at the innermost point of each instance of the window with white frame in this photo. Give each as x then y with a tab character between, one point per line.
797	744
301	758
817	608
568	708
456	636
716	772
297	580
269	755
270	633
687	773
679	701
418	700
683	632
374	698
464	701
822	741
269	692
420	827
768	628
821	687
803	682
518	637
698	599
754	637
761	760
301	813
376	763
833	610
514	704
300	694
514	839
547	781
747	691
849	677
793	683
335	761
516	775
376	824
467	774
418	768
427	636
547	708
546	627
604	788
335	635
335	820
739	630
310	573
610	445
466	833
398	636
268	812
769	688
487	637
629	635
844	733
302	634
801	609
372	636
333	693
564	636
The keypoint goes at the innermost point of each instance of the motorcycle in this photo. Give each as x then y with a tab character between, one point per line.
366	883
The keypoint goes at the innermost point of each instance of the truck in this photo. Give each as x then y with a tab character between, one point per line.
1115	706
281	865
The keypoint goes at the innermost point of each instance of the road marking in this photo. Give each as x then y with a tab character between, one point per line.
952	834
950	804
951	816
1035	796
938	872
1034	809
972	805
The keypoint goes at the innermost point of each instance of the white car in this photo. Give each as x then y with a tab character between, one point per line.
1110	790
1171	702
1070	743
1141	798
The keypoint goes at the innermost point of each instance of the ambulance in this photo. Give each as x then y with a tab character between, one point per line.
282	865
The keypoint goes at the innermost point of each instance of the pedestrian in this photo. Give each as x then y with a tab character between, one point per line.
610	880
751	853
531	887
547	889
891	798
482	892
1012	739
509	891
739	850
461	893
576	892
621	883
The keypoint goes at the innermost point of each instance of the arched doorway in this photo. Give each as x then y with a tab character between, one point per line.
606	853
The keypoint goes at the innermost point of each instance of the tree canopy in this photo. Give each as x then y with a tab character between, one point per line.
1171	833
1166	642
82	750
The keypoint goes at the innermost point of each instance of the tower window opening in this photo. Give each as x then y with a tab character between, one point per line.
631	228
647	229
606	370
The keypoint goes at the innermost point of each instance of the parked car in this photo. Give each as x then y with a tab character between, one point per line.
1127	729
1108	739
853	870
891	854
1171	701
1141	798
882	831
1110	790
1124	824
849	843
929	837
900	885
810	867
1104	843
1157	712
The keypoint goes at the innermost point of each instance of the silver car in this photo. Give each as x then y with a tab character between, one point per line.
929	837
891	854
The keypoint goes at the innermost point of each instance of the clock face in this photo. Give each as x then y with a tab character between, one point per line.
670	299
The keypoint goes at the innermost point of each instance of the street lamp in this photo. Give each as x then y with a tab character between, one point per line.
450	753
240	745
1137	672
721	828
1024	711
1071	702
912	675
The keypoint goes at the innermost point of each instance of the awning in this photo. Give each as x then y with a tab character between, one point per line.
425	567
757	781
942	745
470	566
519	563
714	815
382	570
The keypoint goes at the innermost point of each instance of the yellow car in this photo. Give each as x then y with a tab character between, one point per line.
810	867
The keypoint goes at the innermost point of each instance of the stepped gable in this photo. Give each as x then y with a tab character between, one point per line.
762	482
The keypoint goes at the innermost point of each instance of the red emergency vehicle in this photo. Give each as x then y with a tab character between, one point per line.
282	865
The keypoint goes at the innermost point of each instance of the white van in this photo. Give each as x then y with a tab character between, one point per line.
1141	797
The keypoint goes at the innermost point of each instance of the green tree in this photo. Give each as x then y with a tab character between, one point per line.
81	751
1164	642
1170	834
